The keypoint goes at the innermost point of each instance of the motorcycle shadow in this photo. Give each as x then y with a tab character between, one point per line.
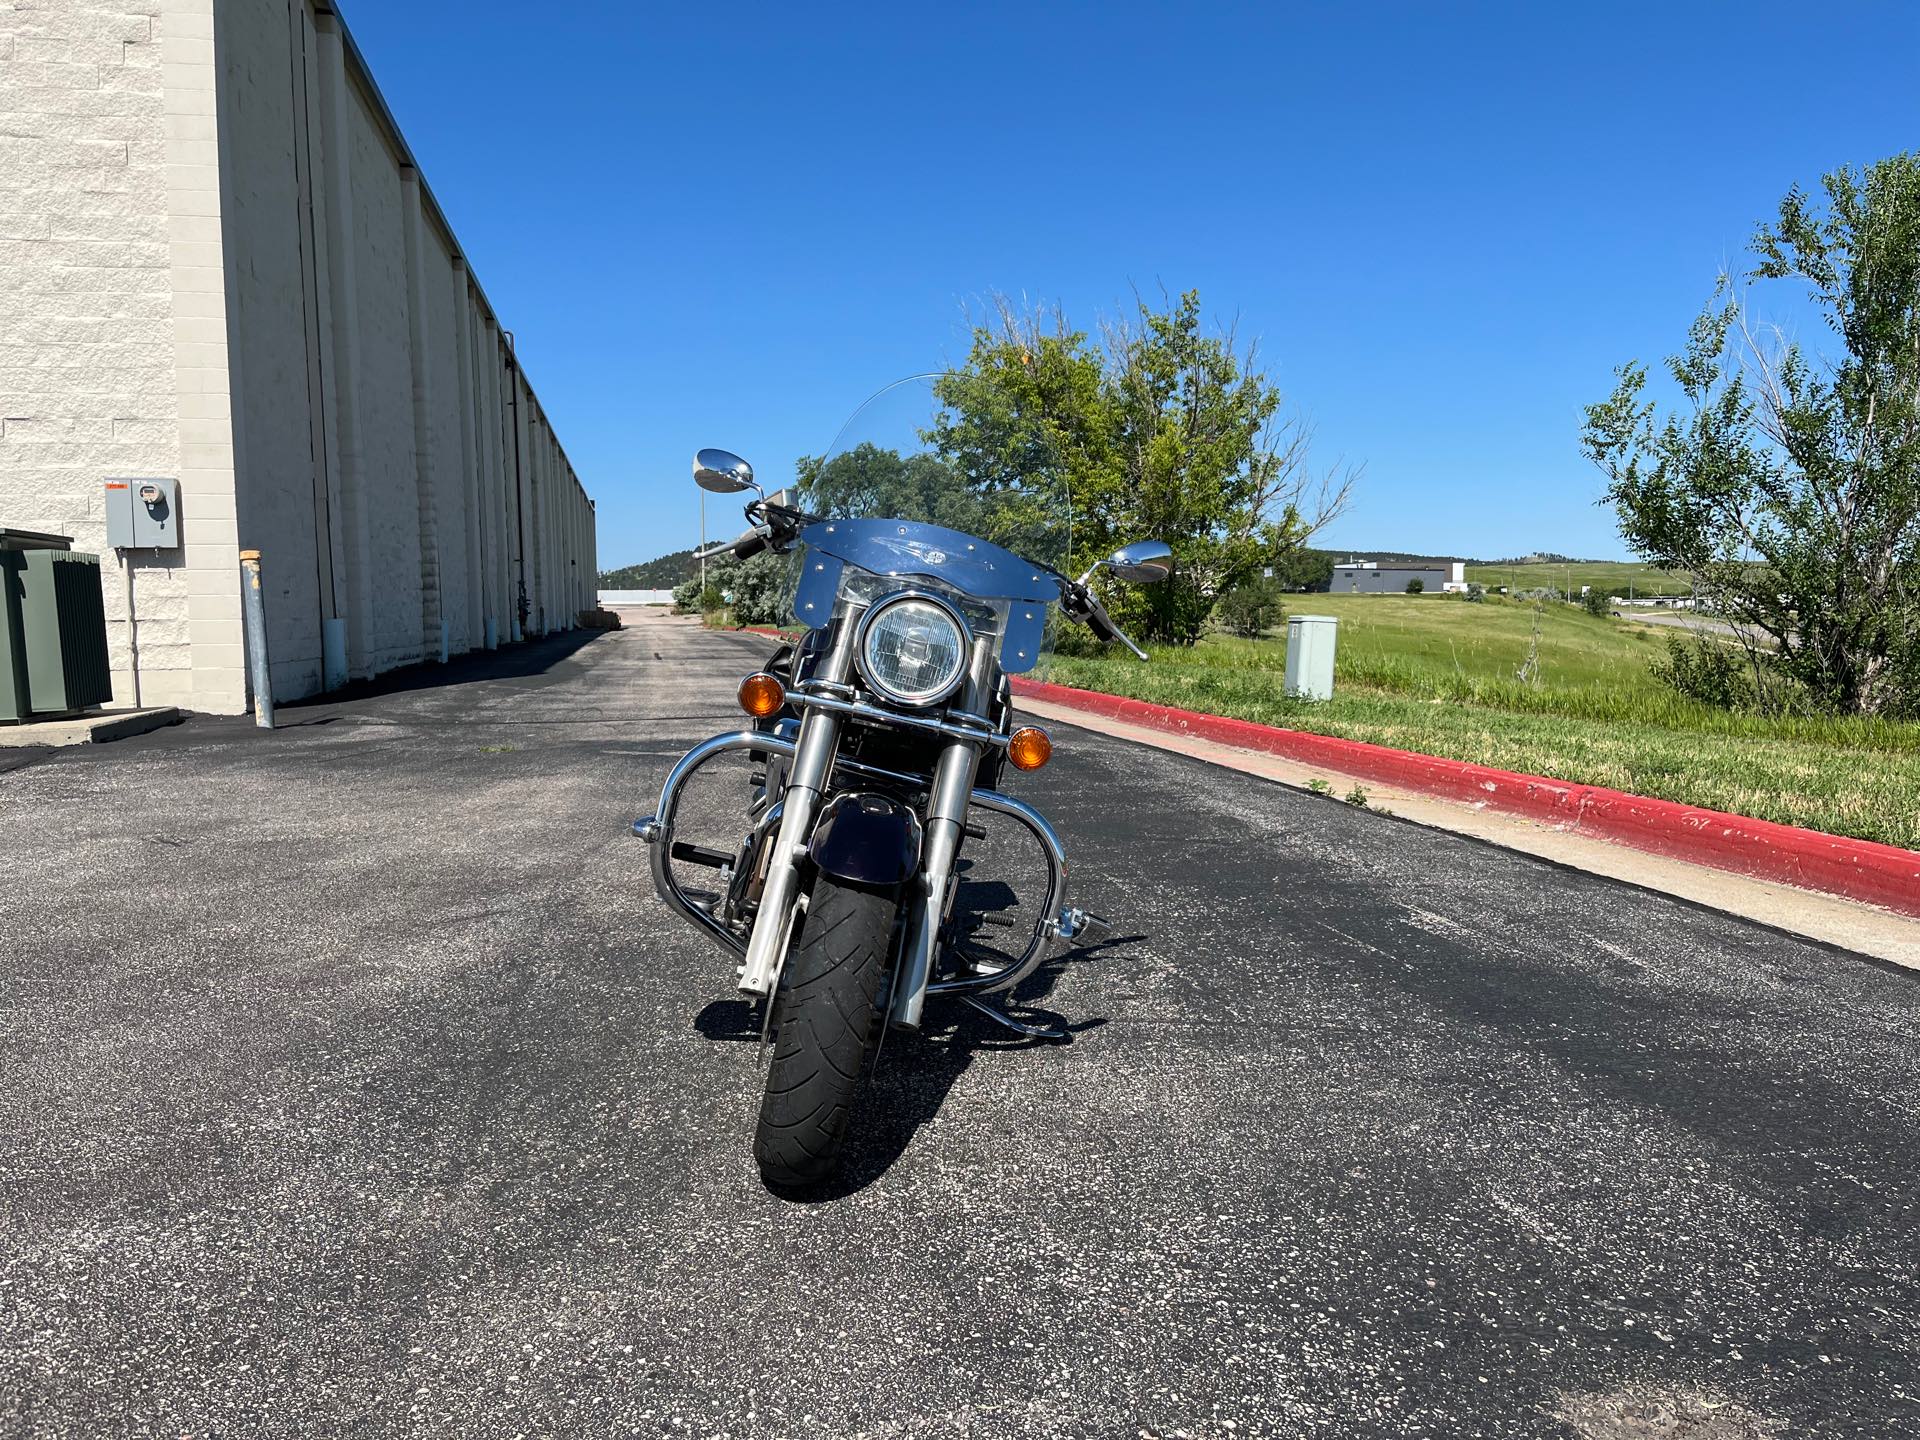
914	1074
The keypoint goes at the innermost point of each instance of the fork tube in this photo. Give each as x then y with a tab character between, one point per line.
806	780
947	801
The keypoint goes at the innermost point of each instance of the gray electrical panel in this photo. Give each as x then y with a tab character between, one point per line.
143	514
1310	645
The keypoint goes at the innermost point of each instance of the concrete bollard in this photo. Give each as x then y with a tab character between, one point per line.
256	612
333	653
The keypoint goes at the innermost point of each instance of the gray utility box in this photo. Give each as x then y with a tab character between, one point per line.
143	514
1310	640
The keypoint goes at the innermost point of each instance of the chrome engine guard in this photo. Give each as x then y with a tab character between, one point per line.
1056	921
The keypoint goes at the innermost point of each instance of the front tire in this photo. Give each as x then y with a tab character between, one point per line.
828	1022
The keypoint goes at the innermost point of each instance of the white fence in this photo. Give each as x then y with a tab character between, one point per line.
636	597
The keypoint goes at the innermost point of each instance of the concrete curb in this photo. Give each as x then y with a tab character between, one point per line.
92	729
1861	870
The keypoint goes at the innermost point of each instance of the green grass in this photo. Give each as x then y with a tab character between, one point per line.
1438	674
1416	641
1601	574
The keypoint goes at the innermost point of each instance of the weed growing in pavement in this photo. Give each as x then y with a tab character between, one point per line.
1357	796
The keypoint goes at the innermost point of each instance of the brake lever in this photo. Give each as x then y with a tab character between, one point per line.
1095	615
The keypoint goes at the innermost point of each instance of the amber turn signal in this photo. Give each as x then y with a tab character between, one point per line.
761	695
1029	748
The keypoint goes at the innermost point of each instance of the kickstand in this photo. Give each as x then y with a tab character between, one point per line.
1019	1027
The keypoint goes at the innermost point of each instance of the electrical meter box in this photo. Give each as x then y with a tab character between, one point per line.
143	514
1310	645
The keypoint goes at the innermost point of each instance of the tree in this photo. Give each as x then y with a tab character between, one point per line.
1416	586
1301	568
1789	483
868	480
1251	608
1161	430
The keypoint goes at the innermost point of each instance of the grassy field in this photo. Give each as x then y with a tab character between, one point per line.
1601	574
1441	675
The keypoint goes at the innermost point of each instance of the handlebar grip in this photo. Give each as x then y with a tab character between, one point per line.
748	545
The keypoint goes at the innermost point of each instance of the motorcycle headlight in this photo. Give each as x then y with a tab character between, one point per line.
913	650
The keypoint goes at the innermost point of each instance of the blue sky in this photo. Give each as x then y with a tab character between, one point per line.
727	224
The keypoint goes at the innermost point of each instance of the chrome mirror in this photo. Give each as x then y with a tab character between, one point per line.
1142	563
722	472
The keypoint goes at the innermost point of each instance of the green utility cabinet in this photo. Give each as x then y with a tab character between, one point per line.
53	629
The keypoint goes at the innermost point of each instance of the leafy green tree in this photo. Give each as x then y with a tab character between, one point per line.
1789	483
1162	430
868	480
1301	568
1416	586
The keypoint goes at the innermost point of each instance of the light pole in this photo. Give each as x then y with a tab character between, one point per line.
703	548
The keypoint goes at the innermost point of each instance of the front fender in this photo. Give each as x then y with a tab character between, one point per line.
868	839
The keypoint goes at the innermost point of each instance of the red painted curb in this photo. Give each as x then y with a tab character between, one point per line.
1858	869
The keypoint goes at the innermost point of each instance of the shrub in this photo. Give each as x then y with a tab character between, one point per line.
1416	586
1477	592
761	589
1597	602
1704	670
1251	608
758	590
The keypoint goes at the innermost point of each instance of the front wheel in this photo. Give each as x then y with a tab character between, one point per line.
828	1022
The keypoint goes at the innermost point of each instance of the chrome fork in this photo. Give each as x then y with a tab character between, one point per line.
806	782
947	801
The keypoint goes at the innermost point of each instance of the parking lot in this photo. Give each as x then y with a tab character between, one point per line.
352	1081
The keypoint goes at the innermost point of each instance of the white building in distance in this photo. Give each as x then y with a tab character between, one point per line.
1371	577
223	268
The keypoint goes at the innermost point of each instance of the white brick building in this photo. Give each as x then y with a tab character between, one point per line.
219	263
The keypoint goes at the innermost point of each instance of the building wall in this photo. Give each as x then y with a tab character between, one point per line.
221	264
1385	579
267	320
376	474
113	347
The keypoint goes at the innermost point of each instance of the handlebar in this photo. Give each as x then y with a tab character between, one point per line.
774	527
741	547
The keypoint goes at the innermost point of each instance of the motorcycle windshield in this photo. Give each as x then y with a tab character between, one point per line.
941	480
909	549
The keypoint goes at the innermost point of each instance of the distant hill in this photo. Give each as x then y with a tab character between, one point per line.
1545	557
662	574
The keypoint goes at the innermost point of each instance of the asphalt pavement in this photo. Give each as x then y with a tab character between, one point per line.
353	1082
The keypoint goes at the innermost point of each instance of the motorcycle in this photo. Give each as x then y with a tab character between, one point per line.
885	731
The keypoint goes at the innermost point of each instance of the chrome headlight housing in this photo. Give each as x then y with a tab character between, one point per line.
913	649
